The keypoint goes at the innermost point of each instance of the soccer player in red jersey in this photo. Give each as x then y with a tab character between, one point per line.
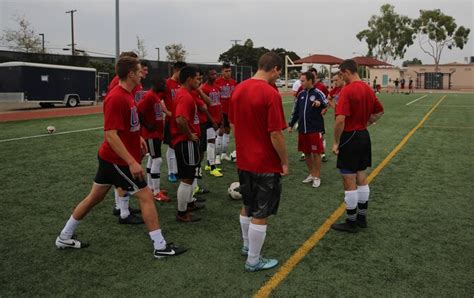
357	108
256	112
226	88
119	163
151	109
172	86
334	93
185	132
212	90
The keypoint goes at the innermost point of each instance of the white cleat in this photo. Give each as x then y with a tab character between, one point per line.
308	179
224	156
316	182
70	243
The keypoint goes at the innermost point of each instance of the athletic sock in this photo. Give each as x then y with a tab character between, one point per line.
116	196
225	143
124	206
184	192
351	204
158	241
363	193
171	160
148	172
211	153
195	183
69	228
155	174
244	226
257	235
219	141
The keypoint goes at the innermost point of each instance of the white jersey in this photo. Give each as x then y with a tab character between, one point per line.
296	86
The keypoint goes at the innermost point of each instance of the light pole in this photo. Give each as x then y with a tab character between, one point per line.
42	40
117	31
158	54
72	11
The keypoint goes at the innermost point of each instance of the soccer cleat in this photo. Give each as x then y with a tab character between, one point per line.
162	197
316	182
131	220
172	178
244	251
164	191
263	264
224	156
207	168
308	179
347	226
302	157
361	221
70	243
116	211
188	217
324	158
218	160
169	251
216	173
194	207
199	199
200	190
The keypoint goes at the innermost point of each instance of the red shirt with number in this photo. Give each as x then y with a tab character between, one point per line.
357	102
226	88
186	108
215	109
199	103
120	114
172	88
256	110
149	107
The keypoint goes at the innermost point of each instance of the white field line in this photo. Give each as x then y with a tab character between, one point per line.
49	135
416	99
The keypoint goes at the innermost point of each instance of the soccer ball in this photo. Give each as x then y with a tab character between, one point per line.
233	156
234	191
50	129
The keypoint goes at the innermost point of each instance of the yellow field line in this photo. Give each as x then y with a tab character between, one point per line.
309	244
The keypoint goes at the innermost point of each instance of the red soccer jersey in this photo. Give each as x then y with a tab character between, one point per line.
185	107
199	103
357	102
226	88
149	108
172	87
322	88
256	110
120	113
215	109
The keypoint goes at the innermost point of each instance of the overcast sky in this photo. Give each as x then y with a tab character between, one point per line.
206	28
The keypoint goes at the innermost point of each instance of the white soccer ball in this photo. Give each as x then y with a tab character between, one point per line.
50	129
233	156
234	191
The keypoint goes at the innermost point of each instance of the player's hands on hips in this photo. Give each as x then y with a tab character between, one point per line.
137	171
193	137
335	149
285	170
143	146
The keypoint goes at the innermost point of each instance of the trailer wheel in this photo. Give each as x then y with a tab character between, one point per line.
72	101
46	105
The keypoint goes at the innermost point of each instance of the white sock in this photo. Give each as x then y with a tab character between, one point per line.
155	174
257	235
185	191
124	206
244	226
195	183
116	195
225	143
351	204
211	153
363	193
324	144
171	160
148	172
219	141
69	228
158	241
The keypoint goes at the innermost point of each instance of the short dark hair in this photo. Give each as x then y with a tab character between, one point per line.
269	61
187	72
309	75
125	65
144	63
312	69
158	84
349	65
225	65
128	54
179	65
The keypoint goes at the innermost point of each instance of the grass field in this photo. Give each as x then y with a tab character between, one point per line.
420	239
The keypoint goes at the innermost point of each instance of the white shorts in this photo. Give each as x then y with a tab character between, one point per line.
211	133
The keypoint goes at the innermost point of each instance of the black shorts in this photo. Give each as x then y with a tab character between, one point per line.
203	138
167	134
119	176
154	147
188	158
225	120
260	193
355	152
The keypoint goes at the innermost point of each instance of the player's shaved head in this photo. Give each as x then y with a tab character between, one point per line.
187	72
269	61
179	65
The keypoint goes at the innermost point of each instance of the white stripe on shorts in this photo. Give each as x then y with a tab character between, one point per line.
135	187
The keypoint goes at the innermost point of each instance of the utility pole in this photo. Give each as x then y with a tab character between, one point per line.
158	54
235	41
42	40
117	31
72	11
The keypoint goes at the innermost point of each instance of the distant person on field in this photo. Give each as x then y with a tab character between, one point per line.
396	83
410	86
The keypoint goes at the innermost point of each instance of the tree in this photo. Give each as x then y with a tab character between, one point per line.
389	35
414	61
437	31
248	43
23	39
141	49
176	52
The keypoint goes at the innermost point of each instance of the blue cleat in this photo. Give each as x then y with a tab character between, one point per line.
263	264
172	178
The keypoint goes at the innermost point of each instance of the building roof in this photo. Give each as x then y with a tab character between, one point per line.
319	59
369	61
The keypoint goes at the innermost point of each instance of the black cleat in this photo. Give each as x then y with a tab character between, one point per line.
194	207
361	221
131	220
116	211
199	200
169	251
347	226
